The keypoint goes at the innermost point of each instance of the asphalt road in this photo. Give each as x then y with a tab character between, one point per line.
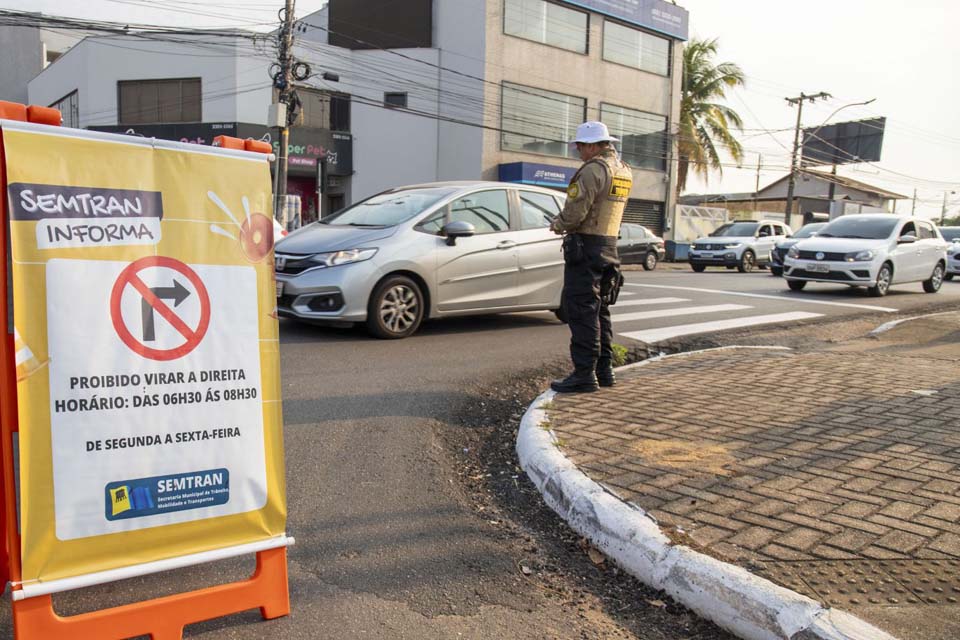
386	544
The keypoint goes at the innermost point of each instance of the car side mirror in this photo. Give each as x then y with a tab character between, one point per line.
457	229
763	235
907	239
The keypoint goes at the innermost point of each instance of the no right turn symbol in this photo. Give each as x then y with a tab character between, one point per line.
160	286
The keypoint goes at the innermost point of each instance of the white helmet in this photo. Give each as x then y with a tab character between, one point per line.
593	132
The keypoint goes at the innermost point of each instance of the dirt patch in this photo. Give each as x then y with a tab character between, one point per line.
707	459
481	435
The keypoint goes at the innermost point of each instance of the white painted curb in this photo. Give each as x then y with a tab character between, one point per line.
751	607
887	326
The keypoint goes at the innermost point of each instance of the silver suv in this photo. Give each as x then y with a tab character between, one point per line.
742	245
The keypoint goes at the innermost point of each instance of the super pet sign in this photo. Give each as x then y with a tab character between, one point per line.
657	15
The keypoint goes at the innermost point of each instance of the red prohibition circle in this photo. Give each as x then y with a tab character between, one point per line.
129	276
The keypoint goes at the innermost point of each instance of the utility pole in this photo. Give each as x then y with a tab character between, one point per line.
756	193
913	209
283	82
798	101
943	209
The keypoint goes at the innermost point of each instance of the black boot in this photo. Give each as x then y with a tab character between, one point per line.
605	375
576	382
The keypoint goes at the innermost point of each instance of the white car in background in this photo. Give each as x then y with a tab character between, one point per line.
870	250
952	235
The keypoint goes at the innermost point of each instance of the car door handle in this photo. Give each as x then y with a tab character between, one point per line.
506	244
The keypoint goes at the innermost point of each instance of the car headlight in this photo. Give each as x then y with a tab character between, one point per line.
732	245
335	258
794	252
859	256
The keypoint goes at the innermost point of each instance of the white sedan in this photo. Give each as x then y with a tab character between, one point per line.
870	250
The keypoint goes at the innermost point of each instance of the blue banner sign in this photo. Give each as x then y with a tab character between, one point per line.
656	15
162	494
544	175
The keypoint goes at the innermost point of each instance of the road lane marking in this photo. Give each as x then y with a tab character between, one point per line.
768	297
682	311
646	301
665	333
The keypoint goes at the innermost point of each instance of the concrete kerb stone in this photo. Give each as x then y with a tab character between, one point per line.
744	604
887	326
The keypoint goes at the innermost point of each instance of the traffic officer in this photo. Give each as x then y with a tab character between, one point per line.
590	222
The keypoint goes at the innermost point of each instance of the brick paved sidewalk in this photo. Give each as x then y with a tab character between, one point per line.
834	473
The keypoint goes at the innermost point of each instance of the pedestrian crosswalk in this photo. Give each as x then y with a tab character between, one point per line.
627	311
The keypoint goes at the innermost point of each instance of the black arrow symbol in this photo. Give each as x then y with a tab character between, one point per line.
178	293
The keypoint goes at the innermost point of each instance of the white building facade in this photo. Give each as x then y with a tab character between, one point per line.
426	90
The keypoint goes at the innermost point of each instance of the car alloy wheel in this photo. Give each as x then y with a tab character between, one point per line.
395	309
936	279
883	282
747	262
650	261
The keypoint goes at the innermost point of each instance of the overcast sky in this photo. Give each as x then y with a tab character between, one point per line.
903	54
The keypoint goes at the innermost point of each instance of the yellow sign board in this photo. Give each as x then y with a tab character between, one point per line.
147	350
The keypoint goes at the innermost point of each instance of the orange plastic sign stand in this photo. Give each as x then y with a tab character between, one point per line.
162	618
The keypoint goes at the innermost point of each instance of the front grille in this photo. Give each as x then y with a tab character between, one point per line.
832	275
812	255
709	247
291	264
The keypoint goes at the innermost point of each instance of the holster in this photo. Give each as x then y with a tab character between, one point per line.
610	285
573	249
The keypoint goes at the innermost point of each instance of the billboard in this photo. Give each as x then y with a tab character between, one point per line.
844	142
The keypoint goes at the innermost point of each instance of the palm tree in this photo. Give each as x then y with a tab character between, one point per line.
705	124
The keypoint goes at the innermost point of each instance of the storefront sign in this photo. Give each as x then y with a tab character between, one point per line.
544	175
656	15
149	405
307	145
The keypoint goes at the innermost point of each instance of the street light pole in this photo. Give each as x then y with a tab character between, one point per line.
798	101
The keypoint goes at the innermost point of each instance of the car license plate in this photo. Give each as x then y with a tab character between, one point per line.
816	267
704	255
279	288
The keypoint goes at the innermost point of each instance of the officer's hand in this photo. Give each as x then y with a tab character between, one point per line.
555	226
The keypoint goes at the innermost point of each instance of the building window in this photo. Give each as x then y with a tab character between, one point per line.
69	106
635	48
546	22
395	99
643	136
159	101
324	110
538	121
340	112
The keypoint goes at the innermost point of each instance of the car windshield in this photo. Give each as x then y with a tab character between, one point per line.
736	230
389	208
862	228
808	230
950	233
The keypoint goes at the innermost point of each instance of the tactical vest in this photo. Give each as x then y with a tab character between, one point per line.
606	211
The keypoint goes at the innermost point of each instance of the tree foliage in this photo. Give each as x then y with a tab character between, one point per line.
705	123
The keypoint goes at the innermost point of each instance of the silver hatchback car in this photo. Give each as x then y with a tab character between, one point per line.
424	251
